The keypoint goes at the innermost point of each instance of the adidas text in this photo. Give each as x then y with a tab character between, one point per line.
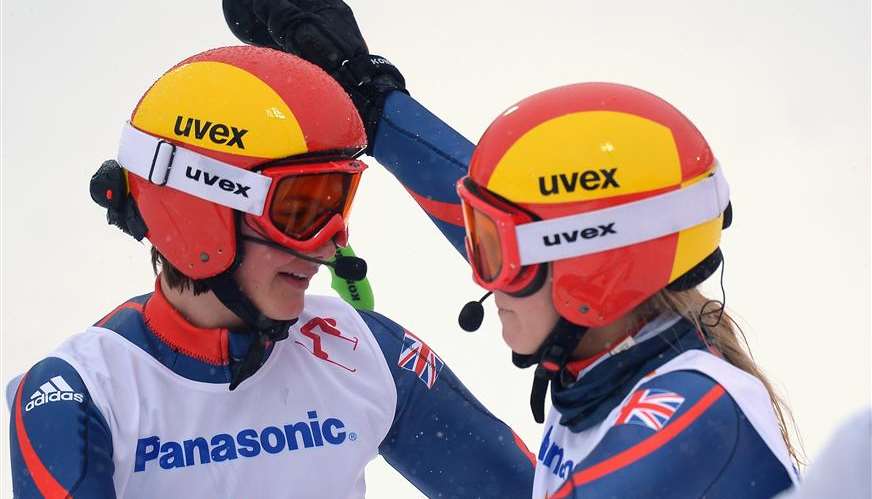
223	183
54	390
218	133
571	237
589	180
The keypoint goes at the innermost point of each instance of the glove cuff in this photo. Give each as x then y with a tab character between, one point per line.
369	79
366	69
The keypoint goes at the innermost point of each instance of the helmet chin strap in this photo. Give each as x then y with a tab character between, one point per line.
551	358
265	330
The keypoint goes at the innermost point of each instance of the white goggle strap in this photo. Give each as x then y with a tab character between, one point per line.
163	163
632	223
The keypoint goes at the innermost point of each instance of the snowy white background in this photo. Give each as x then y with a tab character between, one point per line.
780	89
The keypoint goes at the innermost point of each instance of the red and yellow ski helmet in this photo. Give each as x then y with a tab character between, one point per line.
611	184
241	130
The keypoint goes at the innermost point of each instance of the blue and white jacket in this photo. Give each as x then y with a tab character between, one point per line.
138	406
659	417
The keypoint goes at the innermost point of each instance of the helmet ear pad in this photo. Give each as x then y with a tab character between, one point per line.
594	290
197	236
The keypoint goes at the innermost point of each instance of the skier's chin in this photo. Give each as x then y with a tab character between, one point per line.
286	313
514	335
281	306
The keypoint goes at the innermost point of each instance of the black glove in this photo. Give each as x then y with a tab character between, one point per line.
325	33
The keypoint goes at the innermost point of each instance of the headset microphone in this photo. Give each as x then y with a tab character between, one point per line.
350	268
472	314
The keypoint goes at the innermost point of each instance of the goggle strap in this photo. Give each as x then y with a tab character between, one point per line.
631	223
166	164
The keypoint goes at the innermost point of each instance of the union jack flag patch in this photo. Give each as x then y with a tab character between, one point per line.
417	357
651	407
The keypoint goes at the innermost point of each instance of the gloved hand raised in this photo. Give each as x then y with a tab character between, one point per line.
325	33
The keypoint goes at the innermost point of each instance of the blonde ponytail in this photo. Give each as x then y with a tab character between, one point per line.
721	334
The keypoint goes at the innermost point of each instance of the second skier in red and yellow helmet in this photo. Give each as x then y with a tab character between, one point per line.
610	183
592	213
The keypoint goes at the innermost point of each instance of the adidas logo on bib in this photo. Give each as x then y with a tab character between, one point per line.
53	390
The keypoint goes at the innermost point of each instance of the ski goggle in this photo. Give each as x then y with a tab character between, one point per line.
300	202
308	204
506	244
491	243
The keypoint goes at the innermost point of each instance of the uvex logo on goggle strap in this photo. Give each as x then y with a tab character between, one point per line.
218	133
211	179
586	233
589	180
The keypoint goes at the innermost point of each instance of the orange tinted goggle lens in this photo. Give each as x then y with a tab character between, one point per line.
303	204
487	254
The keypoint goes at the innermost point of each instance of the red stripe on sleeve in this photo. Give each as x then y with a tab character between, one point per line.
523	447
45	482
447	212
643	448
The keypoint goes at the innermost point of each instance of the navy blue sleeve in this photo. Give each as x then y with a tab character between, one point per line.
59	442
428	157
705	448
442	439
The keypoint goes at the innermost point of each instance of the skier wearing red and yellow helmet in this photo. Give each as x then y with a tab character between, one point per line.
592	212
239	166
